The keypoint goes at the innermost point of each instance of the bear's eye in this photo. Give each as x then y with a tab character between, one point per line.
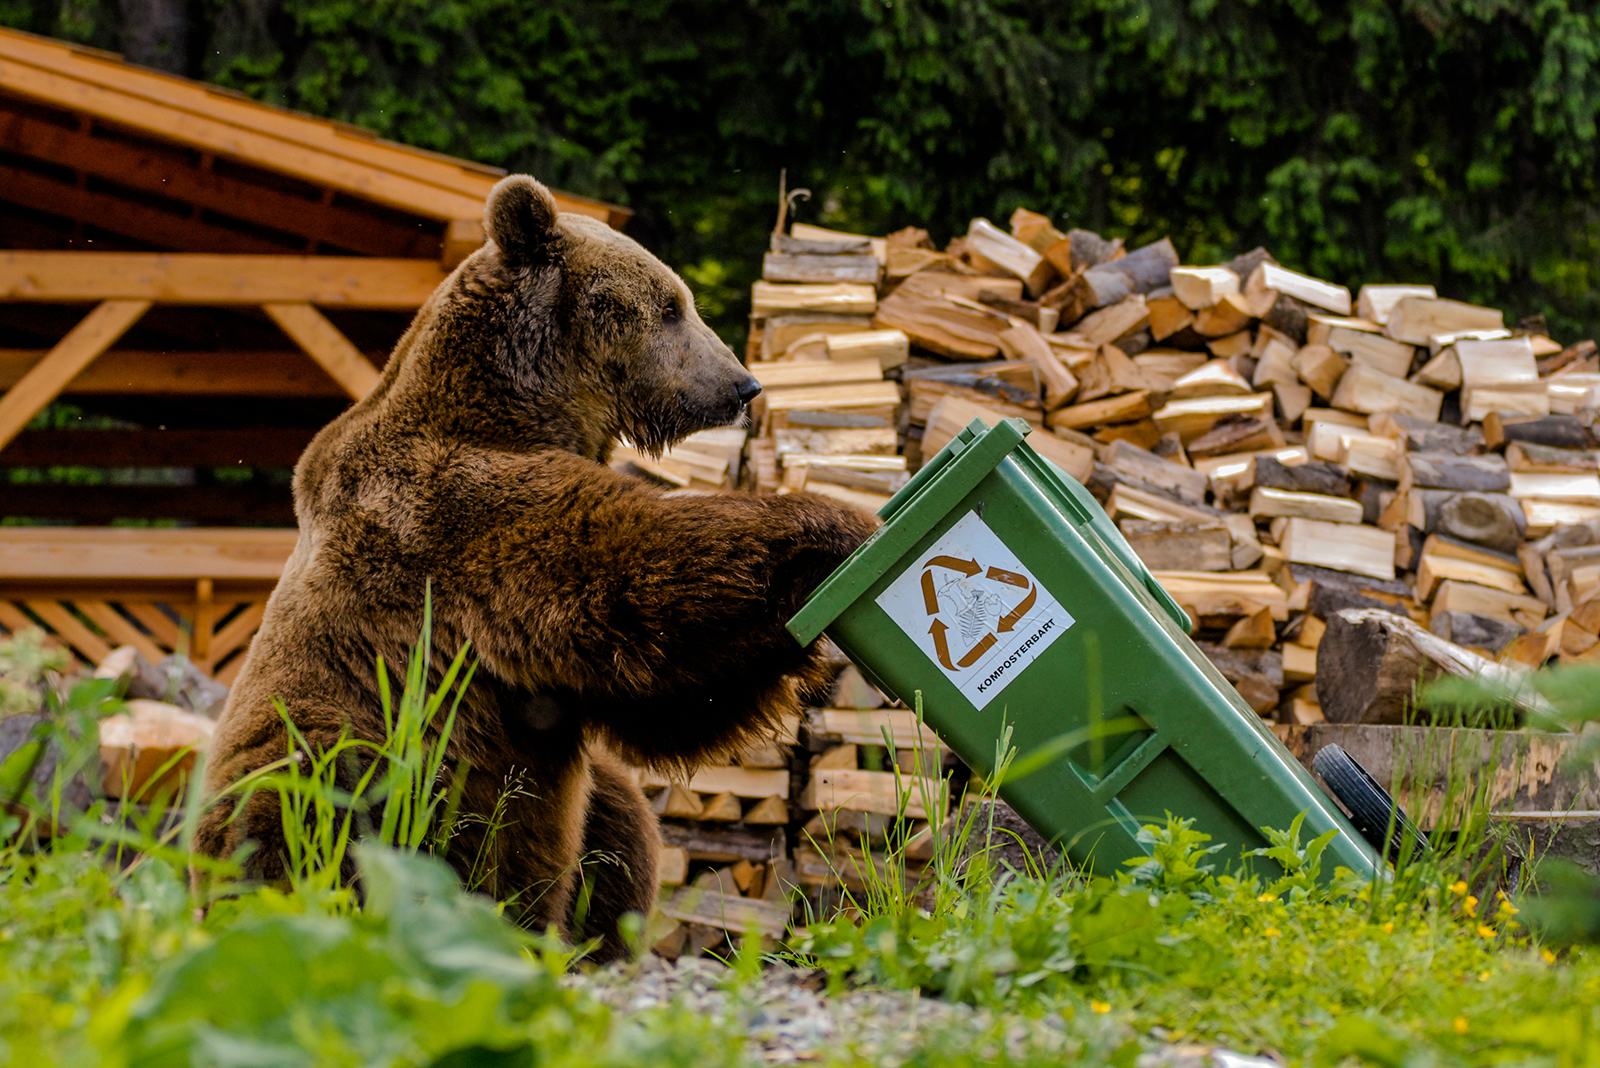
671	313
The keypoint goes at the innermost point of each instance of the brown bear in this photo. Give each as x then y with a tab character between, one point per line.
607	616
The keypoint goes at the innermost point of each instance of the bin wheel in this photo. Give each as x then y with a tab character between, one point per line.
1374	813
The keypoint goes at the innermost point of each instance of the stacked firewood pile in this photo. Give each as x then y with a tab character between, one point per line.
1373	486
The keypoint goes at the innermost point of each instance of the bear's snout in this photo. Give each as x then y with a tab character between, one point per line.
747	390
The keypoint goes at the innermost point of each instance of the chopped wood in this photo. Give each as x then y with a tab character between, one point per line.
724	807
1302	287
890	348
1168	315
874	791
672	867
1373	661
1376	301
1557	431
1115	321
727	912
1266	501
1366	389
1202	287
1026	343
1120	409
1320	368
741	782
988	244
1371	457
1231	346
1423	435
679	802
1215	378
1459	596
772	810
1184	482
1254	631
1193	417
770	298
1416	319
870	728
1239	593
1180	546
1476	474
1565	487
1228	316
1339	546
1233	434
1435	569
807	267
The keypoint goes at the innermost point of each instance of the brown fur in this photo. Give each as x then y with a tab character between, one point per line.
605	613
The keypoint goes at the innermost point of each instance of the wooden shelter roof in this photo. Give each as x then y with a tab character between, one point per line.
162	162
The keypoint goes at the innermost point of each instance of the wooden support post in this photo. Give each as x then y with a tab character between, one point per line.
323	342
204	618
97	331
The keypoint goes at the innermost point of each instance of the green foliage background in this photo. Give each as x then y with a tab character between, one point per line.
1450	141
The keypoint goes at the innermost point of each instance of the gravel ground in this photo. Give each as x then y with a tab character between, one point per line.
789	1018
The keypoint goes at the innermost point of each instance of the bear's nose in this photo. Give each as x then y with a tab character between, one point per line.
748	389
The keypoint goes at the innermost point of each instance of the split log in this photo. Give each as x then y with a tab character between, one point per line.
1316	476
1366	389
1184	482
1214	378
1320	368
1370	662
1201	287
1374	302
1302	287
724	845
1266	501
1556	431
1339	546
1415	319
1475	474
1325	591
1180	546
1424	435
1542	459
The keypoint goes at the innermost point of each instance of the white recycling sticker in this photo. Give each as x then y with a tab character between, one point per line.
971	606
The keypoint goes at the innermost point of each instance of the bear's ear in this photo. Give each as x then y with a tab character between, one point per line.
520	217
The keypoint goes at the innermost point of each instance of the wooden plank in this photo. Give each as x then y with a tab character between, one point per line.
155	621
868	727
66	626
126	372
95	333
237	631
113	554
203	278
270	447
323	342
1238	593
729	912
320	151
119	630
873	791
142	165
741	782
227	504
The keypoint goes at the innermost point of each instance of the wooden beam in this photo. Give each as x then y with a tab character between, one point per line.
96	332
323	342
216	505
130	372
273	447
171	171
228	124
203	278
88	554
130	218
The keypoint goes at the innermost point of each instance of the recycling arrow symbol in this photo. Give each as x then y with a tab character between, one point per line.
967	569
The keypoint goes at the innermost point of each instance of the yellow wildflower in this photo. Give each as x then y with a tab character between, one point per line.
1272	932
1483	977
1485	931
1460	1024
1507	908
1267	897
1099	1006
1470	906
1388	928
1459	887
1549	957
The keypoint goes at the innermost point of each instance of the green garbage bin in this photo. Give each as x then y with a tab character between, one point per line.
1001	591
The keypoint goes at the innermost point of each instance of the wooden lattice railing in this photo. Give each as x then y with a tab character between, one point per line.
200	592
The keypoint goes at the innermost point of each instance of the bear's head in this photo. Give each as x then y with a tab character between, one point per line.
589	321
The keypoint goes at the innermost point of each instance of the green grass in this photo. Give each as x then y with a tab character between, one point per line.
111	954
